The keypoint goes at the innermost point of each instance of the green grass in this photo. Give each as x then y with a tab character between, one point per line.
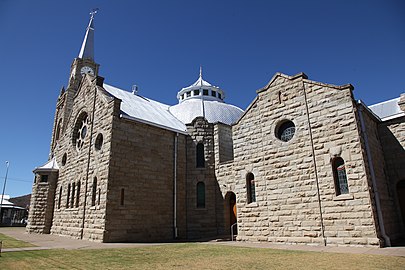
9	242
193	256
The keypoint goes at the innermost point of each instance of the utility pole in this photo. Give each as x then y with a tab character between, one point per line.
2	195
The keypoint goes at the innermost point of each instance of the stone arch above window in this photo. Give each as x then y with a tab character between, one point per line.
339	176
200	157
200	195
250	188
80	130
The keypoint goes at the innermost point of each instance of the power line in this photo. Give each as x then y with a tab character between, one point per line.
17	179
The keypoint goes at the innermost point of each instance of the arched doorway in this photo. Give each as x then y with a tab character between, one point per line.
401	198
231	213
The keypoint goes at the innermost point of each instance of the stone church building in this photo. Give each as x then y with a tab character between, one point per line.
305	163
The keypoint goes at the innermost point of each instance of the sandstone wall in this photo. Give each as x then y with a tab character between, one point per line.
42	203
204	221
80	218
140	202
287	209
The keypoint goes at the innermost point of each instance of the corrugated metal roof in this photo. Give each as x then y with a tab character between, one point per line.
51	165
146	110
387	110
213	111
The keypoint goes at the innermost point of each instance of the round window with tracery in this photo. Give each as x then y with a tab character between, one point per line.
80	131
285	131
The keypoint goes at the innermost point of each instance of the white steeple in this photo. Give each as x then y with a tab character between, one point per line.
87	50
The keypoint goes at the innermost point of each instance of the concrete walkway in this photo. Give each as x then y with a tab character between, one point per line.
48	241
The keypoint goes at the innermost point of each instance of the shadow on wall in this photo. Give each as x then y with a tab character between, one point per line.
394	157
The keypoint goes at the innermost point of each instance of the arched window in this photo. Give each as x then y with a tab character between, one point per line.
250	186
200	195
200	156
339	175
72	202
68	196
60	197
93	192
78	194
58	128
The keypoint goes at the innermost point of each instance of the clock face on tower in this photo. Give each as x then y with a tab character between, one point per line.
86	70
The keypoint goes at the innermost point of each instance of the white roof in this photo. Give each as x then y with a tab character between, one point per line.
387	110
7	204
51	165
213	111
146	110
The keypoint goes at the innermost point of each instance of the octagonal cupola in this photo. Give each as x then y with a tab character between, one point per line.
201	89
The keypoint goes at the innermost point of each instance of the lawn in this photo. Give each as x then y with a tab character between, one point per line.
9	242
193	256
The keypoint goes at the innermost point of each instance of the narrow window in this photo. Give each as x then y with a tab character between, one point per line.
205	92
200	195
279	97
78	194
68	196
93	192
182	96
122	197
339	175
196	92
213	93
72	202
58	130
251	190
188	94
200	156
219	96
99	195
60	197
99	142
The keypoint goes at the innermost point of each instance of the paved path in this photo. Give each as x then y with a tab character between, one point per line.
48	241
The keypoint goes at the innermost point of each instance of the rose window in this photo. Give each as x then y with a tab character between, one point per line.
80	131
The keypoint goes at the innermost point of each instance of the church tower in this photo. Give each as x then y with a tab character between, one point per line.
81	65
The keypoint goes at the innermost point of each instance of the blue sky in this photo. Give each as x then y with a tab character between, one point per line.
159	45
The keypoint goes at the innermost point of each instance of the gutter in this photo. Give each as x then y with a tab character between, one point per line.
176	137
373	178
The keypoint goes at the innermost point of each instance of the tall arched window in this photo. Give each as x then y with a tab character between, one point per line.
78	194
72	202
200	156
339	175
200	195
68	196
60	197
93	192
250	186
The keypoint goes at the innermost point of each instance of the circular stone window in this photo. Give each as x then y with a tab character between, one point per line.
285	131
80	131
64	159
99	142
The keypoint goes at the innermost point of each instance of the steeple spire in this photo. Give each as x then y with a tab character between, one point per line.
87	50
200	71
